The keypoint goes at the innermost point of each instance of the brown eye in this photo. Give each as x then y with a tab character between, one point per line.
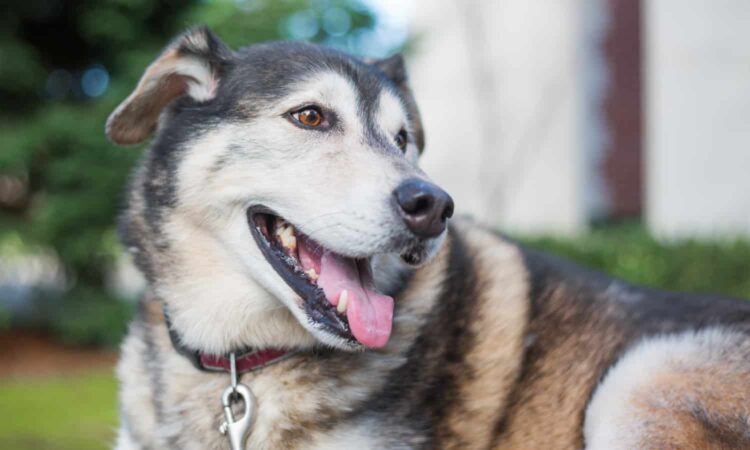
401	140
309	117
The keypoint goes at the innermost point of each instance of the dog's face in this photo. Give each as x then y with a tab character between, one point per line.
278	174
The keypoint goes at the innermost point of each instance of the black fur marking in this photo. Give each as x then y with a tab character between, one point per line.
419	393
129	231
394	68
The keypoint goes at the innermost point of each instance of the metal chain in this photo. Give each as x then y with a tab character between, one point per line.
233	370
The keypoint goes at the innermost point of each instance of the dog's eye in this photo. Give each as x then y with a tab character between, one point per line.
310	116
401	140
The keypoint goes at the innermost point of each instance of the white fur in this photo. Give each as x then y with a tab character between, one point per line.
201	81
125	441
362	436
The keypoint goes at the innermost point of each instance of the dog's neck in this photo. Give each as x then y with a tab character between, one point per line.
244	360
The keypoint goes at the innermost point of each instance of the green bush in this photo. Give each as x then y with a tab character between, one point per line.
4	318
629	252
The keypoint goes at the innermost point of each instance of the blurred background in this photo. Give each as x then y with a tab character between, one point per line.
613	132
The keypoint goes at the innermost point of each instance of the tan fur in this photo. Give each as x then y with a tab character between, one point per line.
548	410
491	370
135	119
671	405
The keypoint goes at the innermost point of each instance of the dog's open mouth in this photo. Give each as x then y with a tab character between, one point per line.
338	293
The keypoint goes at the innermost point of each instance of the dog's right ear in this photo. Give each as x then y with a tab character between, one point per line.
191	65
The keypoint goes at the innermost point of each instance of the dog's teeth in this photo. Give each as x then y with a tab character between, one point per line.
312	274
343	300
285	233
290	242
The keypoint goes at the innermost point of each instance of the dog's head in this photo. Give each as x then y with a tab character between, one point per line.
278	172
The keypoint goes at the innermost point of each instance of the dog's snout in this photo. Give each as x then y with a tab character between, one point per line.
424	207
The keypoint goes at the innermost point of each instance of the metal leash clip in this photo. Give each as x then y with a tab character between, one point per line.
237	430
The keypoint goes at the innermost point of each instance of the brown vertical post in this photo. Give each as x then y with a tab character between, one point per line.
623	163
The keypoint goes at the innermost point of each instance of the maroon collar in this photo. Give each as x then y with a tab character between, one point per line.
246	362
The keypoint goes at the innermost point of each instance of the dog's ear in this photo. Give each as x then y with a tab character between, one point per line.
395	69
191	65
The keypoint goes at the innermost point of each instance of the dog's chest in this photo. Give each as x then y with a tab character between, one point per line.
284	420
169	404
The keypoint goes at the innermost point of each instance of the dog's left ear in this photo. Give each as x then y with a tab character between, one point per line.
191	65
395	69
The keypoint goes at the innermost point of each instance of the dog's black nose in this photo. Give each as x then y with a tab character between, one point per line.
423	206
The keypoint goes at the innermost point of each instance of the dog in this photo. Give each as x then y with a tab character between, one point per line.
308	288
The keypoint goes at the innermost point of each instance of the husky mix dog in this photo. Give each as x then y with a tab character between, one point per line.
288	236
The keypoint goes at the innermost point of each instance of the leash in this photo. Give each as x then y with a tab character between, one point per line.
237	430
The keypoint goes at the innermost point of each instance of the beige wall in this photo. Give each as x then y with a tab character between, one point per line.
698	116
500	88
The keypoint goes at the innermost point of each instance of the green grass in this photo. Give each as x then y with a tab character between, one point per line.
67	412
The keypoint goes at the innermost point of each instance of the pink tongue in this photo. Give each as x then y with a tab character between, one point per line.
369	312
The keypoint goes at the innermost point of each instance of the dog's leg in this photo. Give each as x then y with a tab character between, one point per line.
125	440
682	391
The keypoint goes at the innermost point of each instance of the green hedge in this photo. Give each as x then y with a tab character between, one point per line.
629	252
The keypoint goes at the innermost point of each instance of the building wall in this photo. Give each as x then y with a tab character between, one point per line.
698	116
533	121
499	86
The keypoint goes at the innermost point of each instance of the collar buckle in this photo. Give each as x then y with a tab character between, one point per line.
237	430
